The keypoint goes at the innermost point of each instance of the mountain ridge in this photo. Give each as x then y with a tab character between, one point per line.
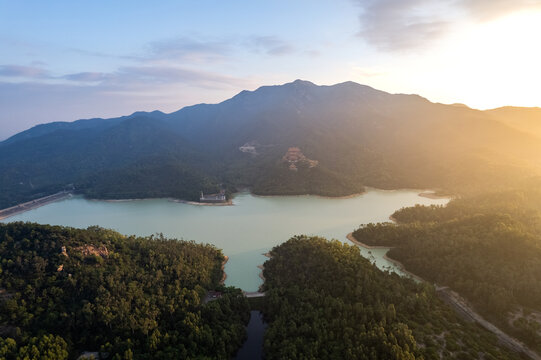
359	136
91	122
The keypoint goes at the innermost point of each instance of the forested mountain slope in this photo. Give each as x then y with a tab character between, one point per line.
487	247
358	136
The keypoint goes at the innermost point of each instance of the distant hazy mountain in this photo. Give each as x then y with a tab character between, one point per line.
358	135
524	119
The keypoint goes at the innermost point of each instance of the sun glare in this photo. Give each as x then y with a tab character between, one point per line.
500	61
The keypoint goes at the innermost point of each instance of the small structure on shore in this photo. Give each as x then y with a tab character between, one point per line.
213	198
211	296
215	294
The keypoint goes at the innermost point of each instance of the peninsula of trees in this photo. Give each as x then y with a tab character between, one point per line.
325	301
66	291
487	247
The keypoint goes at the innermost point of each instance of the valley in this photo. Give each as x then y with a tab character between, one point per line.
276	180
309	157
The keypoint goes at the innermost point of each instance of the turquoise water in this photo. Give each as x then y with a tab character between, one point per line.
245	231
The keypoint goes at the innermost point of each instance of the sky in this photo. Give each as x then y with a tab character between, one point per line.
67	60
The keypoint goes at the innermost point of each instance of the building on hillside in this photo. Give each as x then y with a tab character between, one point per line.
294	157
248	148
213	198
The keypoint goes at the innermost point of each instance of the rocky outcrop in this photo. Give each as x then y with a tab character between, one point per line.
88	250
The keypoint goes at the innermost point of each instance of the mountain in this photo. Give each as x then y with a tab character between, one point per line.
357	135
524	119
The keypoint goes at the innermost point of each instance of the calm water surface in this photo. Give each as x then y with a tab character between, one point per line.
244	231
253	346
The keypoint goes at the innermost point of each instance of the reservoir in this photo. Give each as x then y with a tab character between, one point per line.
244	231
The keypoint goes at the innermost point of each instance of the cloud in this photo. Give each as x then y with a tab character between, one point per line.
87	77
408	24
129	76
270	45
200	51
204	51
176	49
23	71
98	54
163	74
188	49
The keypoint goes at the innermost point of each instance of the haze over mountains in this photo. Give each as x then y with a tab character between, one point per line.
359	136
524	119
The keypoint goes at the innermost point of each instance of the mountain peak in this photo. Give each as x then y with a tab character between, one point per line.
155	113
294	86
300	82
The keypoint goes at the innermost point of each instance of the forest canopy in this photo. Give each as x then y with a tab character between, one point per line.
325	301
486	247
64	291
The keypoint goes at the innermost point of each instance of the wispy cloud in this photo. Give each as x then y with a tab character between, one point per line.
408	24
87	77
270	45
185	61
165	74
97	54
188	49
199	78
129	76
33	72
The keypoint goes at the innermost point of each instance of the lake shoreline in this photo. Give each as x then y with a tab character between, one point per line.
262	267
460	306
189	202
33	204
29	205
396	263
241	191
197	203
351	238
242	232
402	268
224	276
434	195
314	195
